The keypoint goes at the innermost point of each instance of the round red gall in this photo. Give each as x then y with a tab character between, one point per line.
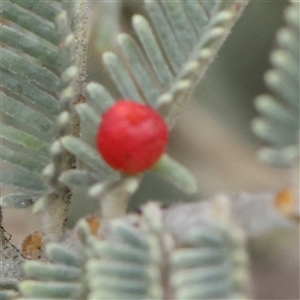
132	136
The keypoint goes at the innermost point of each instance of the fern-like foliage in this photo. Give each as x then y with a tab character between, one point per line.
71	29
279	124
8	289
155	255
161	68
57	279
173	51
30	70
43	69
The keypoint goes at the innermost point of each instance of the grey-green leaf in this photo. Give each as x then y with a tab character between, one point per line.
78	178
30	94
121	76
23	179
49	290
279	124
20	16
37	48
86	154
20	137
49	272
33	72
41	8
99	96
21	160
24	114
176	174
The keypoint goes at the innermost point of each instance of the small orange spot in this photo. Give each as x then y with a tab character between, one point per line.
32	245
94	223
286	202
